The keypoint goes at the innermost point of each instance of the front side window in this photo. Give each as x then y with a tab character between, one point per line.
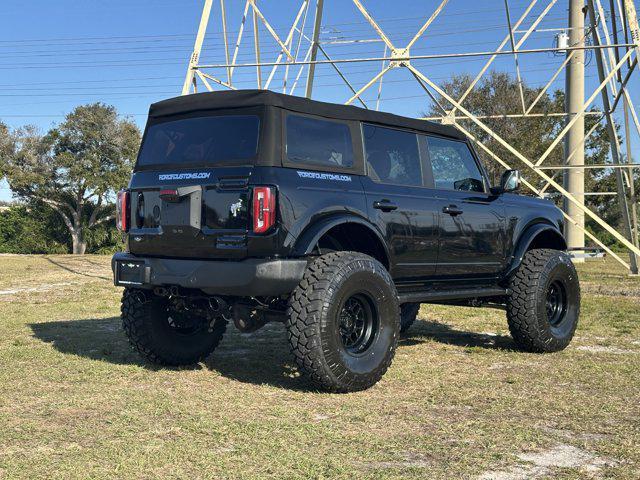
318	142
212	140
392	156
454	167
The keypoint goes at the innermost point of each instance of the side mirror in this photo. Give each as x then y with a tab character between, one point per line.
510	181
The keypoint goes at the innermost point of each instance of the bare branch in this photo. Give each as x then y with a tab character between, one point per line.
103	220
94	214
58	208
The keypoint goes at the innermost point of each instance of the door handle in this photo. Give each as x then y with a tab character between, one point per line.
385	205
452	210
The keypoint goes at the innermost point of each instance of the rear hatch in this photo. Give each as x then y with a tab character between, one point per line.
189	195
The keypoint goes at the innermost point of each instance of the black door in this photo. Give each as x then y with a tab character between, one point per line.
472	220
398	202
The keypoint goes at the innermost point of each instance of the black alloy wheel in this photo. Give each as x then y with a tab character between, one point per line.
556	303
358	323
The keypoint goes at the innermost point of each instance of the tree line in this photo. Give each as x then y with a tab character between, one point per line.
65	180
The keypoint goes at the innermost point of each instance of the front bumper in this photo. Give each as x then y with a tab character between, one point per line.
246	278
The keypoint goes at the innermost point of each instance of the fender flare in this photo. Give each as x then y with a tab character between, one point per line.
309	237
526	239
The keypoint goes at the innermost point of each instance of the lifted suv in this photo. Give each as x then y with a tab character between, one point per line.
339	222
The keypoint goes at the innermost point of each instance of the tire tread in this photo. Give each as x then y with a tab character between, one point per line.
305	306
135	308
522	301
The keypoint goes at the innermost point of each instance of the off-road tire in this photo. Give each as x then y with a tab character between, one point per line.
145	322
314	316
408	315
532	327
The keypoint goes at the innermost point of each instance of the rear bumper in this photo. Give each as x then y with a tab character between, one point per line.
246	278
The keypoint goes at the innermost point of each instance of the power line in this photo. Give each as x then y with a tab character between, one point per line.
188	45
189	35
249	74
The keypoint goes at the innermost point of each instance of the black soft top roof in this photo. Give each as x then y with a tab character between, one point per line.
253	98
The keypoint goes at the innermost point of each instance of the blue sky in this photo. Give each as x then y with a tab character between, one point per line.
56	55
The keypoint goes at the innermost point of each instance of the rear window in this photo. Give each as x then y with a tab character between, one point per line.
212	140
318	142
392	156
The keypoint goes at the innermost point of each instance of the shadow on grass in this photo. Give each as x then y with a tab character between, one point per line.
75	271
261	358
424	330
98	339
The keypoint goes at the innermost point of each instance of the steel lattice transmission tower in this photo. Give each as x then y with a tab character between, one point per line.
300	50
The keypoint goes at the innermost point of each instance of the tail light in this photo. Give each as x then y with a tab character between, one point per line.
264	209
122	210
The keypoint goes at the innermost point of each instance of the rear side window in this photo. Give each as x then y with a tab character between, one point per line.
318	142
454	167
212	140
392	156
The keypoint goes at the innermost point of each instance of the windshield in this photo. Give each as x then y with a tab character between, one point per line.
212	140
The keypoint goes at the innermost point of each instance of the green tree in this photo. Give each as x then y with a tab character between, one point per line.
36	228
6	142
75	168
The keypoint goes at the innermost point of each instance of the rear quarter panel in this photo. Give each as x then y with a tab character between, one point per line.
306	197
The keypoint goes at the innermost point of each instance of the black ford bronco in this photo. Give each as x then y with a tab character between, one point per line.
339	222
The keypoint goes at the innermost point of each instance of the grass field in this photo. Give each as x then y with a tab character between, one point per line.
458	401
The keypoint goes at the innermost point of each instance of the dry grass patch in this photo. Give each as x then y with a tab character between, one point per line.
458	402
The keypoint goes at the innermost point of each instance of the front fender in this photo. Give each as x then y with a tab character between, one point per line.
527	238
